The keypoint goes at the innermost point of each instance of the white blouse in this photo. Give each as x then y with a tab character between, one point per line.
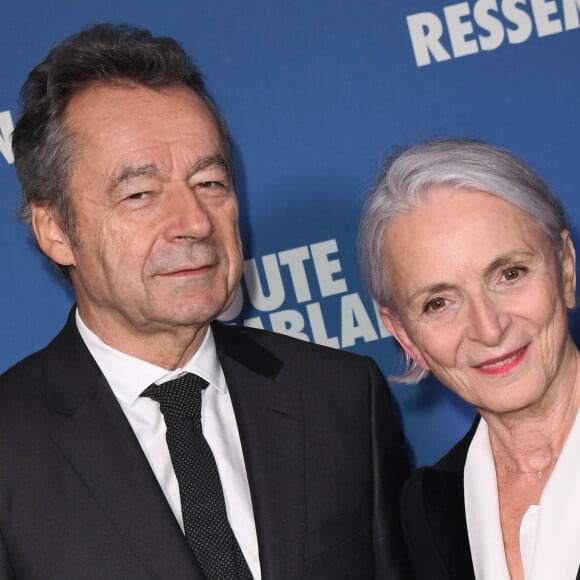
549	532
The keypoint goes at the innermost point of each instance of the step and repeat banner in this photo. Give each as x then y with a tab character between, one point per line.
317	95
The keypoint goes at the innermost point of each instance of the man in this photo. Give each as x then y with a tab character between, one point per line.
126	171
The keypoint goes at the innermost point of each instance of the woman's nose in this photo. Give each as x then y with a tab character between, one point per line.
487	322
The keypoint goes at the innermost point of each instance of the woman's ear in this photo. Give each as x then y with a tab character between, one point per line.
568	265
395	327
50	237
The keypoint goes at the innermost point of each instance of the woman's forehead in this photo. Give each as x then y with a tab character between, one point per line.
455	231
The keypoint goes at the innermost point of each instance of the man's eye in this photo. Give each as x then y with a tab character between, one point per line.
139	195
435	304
209	184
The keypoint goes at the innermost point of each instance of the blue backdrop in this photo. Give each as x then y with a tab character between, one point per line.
316	95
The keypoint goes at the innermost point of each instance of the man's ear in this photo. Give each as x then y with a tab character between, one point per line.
395	327
568	265
50	237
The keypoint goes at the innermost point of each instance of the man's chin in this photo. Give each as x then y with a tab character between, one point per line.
197	314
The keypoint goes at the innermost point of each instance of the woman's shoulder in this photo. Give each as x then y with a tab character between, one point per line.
452	462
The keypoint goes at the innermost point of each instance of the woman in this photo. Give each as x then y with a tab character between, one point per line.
470	259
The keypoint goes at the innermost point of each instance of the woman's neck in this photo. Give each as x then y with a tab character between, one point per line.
530	440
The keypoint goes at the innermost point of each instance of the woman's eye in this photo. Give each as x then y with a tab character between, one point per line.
435	304
511	274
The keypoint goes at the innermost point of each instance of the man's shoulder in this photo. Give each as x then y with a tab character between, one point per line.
22	398
29	367
281	345
32	369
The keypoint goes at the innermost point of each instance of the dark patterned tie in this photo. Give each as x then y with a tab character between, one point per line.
207	529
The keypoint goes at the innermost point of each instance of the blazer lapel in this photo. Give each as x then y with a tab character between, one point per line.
270	420
101	447
445	512
444	508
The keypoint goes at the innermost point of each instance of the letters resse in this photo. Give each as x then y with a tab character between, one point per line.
486	25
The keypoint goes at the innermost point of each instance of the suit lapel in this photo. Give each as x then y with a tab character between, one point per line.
101	447
270	420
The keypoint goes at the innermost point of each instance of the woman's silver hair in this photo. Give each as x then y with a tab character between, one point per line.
461	164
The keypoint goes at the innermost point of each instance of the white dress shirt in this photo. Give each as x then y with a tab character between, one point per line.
129	377
549	532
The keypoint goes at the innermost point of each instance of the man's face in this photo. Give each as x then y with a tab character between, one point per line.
157	245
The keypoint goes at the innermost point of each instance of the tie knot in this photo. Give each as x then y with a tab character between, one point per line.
178	398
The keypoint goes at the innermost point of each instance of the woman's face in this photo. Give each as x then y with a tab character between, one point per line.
482	298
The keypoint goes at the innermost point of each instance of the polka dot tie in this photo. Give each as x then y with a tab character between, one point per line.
207	529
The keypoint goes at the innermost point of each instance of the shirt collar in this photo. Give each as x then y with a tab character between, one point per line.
129	376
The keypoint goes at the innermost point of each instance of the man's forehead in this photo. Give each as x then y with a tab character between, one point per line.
99	101
123	133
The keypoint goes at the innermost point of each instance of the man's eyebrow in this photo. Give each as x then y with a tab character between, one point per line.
151	169
217	160
133	171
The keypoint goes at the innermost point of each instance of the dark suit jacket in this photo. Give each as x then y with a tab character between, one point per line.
323	452
434	522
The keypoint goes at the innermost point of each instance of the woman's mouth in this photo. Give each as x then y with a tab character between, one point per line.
504	364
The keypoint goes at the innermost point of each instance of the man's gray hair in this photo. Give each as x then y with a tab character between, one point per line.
465	165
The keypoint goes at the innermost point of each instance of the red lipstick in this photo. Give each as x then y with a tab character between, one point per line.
503	364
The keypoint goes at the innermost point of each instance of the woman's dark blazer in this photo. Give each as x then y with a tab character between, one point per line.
433	517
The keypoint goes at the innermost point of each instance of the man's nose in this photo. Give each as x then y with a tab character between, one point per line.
188	216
